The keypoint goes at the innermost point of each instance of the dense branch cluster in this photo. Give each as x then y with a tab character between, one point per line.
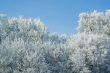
26	46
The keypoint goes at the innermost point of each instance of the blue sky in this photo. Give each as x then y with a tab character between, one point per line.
58	15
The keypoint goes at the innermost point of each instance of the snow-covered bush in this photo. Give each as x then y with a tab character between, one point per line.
26	46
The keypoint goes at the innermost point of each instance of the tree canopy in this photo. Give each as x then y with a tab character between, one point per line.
26	46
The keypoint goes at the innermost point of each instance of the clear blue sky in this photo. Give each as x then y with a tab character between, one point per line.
58	15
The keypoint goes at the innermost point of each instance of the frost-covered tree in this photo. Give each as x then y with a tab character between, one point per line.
95	22
21	45
26	46
94	30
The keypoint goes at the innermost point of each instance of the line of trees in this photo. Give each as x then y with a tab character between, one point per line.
26	46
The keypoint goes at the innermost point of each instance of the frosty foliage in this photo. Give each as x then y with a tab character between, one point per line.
26	46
